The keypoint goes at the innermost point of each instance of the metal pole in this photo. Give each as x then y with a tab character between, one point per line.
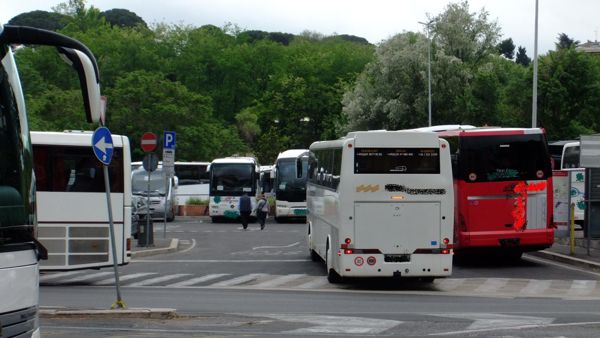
429	71
119	303
148	215
535	71
427	24
166	198
588	209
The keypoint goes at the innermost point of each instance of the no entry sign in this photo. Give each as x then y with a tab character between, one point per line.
149	141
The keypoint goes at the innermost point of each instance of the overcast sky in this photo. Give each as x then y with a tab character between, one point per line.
375	20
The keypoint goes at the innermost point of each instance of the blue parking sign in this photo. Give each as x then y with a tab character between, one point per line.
169	140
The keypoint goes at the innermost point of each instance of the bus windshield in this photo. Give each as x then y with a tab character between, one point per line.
288	186
503	158
232	179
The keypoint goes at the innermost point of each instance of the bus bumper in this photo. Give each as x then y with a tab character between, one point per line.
527	240
373	265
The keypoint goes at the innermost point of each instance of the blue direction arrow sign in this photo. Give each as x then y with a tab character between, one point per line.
102	144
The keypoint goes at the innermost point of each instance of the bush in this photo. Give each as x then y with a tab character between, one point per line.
196	201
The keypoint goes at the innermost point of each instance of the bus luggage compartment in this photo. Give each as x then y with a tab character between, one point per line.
397	227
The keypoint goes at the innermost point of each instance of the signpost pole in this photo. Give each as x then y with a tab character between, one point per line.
119	303
148	214
102	146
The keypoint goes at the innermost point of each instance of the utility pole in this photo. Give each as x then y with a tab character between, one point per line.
535	72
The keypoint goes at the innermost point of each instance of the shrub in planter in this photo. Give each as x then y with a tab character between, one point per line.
194	207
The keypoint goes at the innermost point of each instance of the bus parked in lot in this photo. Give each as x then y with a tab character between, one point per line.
569	162
503	188
380	204
71	200
192	181
230	178
19	248
290	184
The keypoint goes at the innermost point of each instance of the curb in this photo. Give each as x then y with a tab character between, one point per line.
566	259
171	248
148	313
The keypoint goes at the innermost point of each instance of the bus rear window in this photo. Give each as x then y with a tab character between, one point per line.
504	158
396	161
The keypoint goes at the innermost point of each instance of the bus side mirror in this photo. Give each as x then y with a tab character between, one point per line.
88	80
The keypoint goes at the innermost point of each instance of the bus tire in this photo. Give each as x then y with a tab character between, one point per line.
332	276
215	219
278	219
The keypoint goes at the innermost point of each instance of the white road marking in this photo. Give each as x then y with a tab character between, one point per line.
491	285
581	287
198	280
46	277
190	248
335	324
159	279
449	284
221	260
536	287
87	277
124	278
280	280
484	322
275	246
238	280
315	283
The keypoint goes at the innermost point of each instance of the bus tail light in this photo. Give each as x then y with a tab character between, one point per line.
347	242
348	251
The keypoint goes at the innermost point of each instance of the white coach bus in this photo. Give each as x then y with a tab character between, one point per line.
230	178
71	200
381	204
290	184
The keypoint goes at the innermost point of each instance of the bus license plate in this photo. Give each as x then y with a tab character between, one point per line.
396	258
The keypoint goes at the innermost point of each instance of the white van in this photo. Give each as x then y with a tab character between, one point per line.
158	188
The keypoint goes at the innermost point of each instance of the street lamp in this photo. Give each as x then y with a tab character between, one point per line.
428	24
535	71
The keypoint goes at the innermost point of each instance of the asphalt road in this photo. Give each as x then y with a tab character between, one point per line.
228	282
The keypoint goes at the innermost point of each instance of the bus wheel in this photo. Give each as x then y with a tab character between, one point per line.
215	219
332	276
278	219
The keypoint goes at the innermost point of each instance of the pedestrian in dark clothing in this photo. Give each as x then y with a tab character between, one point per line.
262	210
245	207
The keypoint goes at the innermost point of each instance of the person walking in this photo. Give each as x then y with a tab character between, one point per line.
262	210
245	207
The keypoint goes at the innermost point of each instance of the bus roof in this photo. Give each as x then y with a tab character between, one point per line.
70	138
292	153
235	159
383	138
491	131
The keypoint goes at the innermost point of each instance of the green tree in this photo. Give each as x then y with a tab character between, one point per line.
39	19
123	18
522	57
468	36
507	48
565	42
568	87
143	101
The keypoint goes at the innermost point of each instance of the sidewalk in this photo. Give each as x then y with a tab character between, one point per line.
561	252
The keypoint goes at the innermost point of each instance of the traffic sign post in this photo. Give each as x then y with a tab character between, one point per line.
168	166
102	146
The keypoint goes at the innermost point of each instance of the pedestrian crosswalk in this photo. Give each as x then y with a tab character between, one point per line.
488	287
